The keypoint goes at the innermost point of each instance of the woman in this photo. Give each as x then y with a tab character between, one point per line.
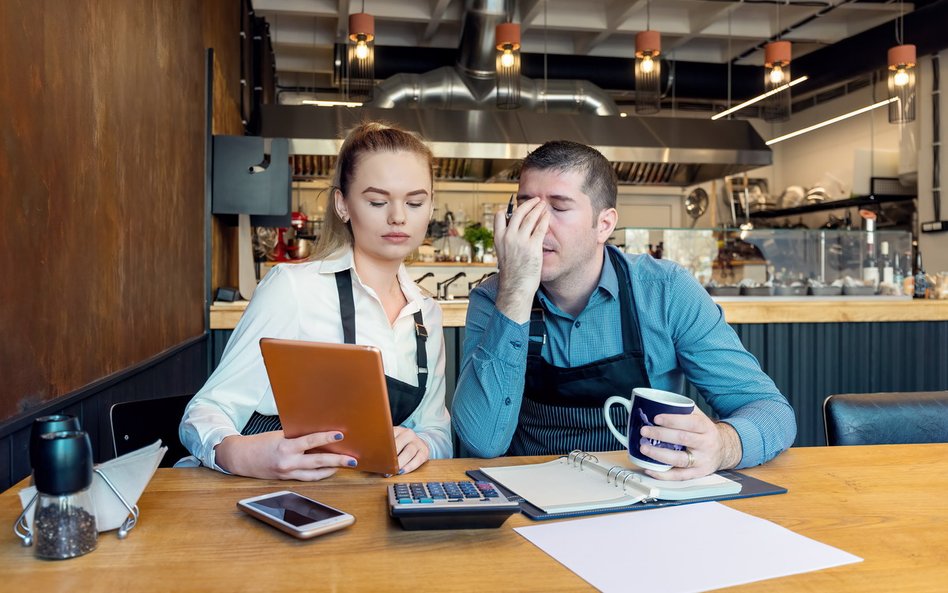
381	203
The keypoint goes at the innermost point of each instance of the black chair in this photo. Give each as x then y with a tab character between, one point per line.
886	418
139	423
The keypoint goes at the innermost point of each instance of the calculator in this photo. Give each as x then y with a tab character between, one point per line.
449	505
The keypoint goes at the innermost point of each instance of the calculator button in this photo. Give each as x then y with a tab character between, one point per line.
426	500
404	501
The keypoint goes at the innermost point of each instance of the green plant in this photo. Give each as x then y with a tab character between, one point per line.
477	233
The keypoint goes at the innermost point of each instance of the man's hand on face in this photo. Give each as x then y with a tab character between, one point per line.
519	245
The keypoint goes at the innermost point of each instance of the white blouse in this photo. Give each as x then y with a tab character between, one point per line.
300	302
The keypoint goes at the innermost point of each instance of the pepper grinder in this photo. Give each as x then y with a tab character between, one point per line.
64	524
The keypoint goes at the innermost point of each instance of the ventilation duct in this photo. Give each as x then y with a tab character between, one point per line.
453	108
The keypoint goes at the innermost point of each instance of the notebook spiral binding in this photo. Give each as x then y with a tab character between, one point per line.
577	458
617	475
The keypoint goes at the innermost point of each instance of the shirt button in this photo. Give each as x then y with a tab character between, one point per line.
579	323
516	344
507	401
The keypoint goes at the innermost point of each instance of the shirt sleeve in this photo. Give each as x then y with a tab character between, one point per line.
728	376
431	421
489	391
234	390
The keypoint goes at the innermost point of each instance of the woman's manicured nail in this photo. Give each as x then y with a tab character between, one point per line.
338	436
401	471
353	463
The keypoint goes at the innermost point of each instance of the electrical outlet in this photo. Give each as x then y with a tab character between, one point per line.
935	226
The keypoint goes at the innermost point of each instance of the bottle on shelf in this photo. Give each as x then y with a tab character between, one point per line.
898	276
870	270
921	283
886	270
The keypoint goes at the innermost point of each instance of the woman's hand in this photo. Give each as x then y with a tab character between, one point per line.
709	445
270	455
412	450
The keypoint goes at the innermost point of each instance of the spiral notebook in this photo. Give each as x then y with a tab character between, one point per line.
581	484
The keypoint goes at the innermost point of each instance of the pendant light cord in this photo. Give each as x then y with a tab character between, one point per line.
900	24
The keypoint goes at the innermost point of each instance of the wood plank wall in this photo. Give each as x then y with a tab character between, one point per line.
102	192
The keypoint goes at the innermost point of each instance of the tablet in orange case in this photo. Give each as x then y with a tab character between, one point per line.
321	387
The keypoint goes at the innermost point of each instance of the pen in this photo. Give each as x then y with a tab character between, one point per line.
510	206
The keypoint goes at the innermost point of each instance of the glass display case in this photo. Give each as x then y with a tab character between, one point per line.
782	262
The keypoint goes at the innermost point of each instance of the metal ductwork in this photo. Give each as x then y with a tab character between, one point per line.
486	145
453	108
471	84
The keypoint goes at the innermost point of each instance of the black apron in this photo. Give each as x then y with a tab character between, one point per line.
562	406
403	399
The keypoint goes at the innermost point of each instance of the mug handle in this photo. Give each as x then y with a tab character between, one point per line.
627	404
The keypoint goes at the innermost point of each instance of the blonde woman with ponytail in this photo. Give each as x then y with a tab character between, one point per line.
378	213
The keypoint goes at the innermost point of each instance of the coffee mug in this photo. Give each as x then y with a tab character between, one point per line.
645	404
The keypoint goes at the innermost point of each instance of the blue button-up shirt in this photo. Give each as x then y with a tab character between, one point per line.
684	336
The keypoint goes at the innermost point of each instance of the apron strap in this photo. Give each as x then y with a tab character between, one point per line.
421	353
346	306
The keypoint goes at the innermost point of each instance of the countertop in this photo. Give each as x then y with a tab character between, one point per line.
737	310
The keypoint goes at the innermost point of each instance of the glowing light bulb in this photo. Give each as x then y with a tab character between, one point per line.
776	75
648	65
507	59
361	50
901	77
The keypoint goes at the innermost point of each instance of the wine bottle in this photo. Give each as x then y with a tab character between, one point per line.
921	284
887	272
870	271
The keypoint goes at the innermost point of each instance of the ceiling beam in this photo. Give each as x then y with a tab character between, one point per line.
529	11
342	20
617	13
698	26
438	10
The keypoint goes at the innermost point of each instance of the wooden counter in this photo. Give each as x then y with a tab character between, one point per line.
885	504
737	310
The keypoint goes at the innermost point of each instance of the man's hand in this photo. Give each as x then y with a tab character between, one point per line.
519	245
270	455
713	445
412	450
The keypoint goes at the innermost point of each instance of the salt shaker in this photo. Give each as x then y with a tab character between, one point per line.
64	524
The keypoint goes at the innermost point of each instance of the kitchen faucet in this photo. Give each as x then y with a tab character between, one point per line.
472	285
442	289
426	275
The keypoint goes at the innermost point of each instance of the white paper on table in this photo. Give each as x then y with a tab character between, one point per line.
679	549
129	473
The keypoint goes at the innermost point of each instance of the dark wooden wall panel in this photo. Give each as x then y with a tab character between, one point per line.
101	162
181	370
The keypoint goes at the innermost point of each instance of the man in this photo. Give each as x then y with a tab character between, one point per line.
569	322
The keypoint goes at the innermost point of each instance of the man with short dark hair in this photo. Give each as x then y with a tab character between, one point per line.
569	322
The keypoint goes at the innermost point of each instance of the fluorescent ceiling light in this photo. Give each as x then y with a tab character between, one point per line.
759	98
318	103
832	120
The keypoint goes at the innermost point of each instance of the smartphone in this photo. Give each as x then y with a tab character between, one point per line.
295	514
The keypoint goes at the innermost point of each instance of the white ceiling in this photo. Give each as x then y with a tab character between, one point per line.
304	31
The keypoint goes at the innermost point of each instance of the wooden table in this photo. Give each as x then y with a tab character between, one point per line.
887	504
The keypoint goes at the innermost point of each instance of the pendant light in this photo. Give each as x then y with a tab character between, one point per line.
648	68
776	106
361	55
507	36
901	81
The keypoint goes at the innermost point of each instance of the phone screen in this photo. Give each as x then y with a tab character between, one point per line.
294	509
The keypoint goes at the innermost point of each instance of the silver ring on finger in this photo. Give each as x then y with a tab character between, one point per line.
691	458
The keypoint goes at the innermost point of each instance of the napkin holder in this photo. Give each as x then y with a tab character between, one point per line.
117	485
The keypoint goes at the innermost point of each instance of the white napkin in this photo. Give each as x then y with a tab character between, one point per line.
129	473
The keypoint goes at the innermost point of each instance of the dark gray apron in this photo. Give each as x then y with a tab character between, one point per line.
562	406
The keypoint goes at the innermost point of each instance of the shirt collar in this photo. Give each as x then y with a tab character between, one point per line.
343	260
608	285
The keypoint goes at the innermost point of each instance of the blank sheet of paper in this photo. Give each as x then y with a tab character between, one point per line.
680	549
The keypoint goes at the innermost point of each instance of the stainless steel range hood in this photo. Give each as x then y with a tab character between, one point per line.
484	145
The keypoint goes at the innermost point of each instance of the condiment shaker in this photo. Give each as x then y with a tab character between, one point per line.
64	524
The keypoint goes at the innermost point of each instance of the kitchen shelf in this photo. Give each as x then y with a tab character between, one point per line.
869	200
